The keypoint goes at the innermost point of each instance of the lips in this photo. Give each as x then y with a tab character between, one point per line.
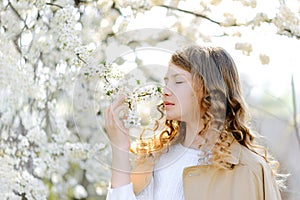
167	103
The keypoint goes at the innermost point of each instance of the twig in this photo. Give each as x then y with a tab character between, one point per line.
18	14
78	56
289	31
190	12
53	4
295	110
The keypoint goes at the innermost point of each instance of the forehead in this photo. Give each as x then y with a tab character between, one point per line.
176	70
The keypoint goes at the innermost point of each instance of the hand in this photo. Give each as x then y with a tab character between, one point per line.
120	143
117	133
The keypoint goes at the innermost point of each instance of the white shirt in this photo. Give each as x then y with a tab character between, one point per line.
167	177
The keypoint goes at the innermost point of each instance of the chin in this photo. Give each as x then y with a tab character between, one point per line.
173	117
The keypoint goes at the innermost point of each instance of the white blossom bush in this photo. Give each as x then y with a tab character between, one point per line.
50	141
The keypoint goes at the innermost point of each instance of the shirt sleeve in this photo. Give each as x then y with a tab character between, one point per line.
124	192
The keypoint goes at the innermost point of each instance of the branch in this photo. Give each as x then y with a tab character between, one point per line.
18	14
192	13
290	33
53	4
77	2
114	7
295	110
78	56
16	43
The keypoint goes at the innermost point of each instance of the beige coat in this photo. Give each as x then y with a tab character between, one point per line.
250	179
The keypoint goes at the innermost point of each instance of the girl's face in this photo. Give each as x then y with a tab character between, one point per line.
180	100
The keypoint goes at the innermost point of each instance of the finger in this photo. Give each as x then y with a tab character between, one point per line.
116	112
118	101
108	116
106	112
116	117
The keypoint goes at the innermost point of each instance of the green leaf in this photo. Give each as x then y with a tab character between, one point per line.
158	89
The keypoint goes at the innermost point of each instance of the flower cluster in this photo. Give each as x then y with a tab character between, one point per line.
149	94
246	48
259	18
113	82
230	20
248	3
287	22
264	59
65	23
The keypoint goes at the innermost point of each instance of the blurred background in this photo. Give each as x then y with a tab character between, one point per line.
52	138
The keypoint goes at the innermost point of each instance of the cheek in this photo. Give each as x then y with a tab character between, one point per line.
191	102
186	100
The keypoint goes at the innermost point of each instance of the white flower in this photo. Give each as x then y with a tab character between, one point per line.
246	48
6	118
40	167
287	22
7	173
23	142
250	3
37	135
64	24
132	119
80	192
92	151
76	151
215	2
260	17
264	59
229	20
40	4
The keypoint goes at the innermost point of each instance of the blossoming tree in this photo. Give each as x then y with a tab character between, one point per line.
46	45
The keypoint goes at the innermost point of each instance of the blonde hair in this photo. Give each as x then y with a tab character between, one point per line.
223	110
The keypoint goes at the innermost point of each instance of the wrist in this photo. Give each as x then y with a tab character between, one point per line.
118	149
120	160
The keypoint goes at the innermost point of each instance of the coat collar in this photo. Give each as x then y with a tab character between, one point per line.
142	174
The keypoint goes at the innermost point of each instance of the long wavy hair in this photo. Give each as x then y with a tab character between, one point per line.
222	108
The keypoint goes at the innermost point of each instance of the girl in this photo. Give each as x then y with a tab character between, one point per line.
207	152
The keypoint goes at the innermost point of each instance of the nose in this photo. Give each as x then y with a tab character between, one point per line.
167	91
